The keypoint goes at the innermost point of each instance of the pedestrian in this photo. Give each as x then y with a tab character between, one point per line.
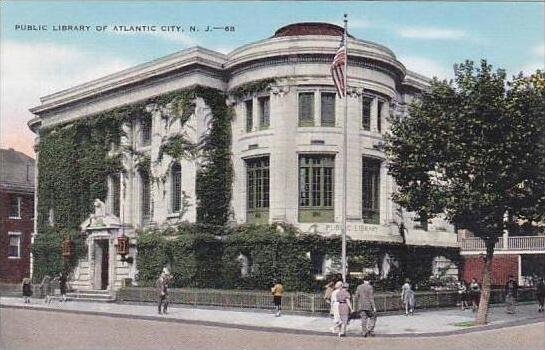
511	294
334	310
540	293
329	288
277	291
26	286
367	307
407	297
45	288
63	281
475	294
345	308
161	287
463	295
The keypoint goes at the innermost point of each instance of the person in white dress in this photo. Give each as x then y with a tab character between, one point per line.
335	308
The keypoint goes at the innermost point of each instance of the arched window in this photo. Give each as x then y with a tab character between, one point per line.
176	187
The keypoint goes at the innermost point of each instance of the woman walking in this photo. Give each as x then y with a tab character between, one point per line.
540	294
277	291
407	297
335	307
63	281
345	308
27	290
475	293
45	288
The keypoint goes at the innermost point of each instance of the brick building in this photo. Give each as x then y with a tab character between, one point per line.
16	214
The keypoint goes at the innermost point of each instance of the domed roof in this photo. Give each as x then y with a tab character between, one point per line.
310	28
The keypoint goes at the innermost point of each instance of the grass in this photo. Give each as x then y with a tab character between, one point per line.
465	324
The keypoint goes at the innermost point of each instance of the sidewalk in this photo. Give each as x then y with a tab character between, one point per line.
425	323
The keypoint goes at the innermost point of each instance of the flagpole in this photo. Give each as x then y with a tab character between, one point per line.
345	152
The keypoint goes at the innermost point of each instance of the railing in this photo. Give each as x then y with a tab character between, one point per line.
298	302
478	244
527	243
513	243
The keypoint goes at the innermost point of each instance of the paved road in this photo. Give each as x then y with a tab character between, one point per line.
29	329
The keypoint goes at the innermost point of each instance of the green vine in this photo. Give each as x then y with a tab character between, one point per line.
248	89
75	160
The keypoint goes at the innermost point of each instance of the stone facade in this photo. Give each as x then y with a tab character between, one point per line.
275	143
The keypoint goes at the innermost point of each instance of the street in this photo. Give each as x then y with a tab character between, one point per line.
29	329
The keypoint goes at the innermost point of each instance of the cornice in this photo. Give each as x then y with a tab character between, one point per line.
179	60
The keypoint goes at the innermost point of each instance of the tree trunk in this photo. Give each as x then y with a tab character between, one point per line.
482	313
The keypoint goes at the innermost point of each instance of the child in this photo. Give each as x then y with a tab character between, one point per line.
27	290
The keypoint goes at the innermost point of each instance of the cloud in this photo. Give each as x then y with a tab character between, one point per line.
32	70
431	33
426	67
539	51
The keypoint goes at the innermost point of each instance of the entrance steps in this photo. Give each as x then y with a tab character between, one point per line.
91	295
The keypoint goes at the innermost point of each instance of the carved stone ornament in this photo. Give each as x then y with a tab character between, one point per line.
100	219
280	90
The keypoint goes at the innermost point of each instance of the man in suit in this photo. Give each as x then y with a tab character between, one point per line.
368	310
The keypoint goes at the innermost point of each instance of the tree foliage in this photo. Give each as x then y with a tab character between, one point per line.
474	150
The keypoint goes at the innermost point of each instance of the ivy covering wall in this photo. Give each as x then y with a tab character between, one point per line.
209	257
74	164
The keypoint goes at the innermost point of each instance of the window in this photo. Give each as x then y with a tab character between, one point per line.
116	194
145	130
176	187
264	112
14	249
371	191
366	113
317	263
145	196
306	109
249	115
328	109
15	207
316	188
379	115
257	172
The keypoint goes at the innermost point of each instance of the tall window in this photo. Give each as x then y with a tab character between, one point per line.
145	196
371	191
366	113
176	187
306	109
379	115
14	249
257	172
328	109
316	188
264	112
15	207
249	115
145	132
116	194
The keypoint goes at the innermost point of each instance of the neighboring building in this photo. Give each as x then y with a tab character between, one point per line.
16	214
286	142
520	256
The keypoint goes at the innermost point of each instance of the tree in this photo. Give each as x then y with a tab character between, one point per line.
473	149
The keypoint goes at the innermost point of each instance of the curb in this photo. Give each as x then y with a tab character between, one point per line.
473	329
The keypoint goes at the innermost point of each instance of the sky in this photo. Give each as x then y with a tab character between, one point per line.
427	37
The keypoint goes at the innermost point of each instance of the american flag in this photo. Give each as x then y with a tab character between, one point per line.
337	69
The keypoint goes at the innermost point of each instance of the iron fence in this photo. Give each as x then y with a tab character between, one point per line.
300	302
